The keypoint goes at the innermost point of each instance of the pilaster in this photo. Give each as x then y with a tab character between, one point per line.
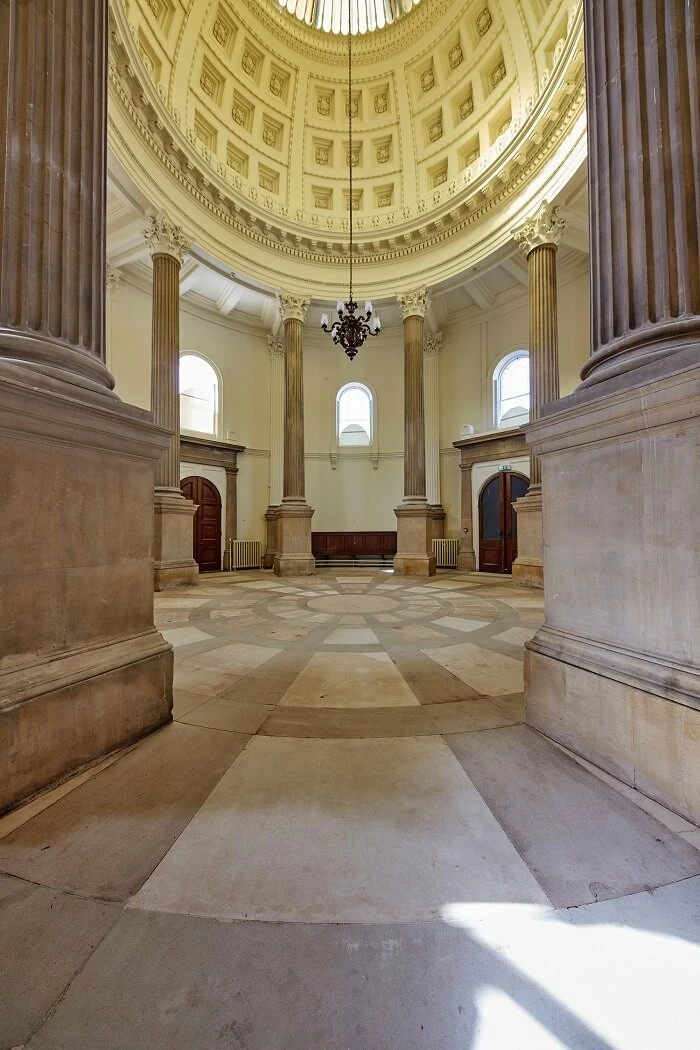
276	352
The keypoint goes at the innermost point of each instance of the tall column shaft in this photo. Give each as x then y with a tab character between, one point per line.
294	485
52	189
277	416
431	381
414	409
165	364
544	338
643	93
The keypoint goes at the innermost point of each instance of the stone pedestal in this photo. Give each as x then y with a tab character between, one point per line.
414	519
83	671
172	535
528	568
614	673
414	539
272	517
293	555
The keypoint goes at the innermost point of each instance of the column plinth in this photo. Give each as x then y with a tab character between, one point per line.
538	238
614	673
293	556
83	671
173	514
414	523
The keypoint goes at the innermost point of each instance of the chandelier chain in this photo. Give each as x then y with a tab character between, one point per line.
350	136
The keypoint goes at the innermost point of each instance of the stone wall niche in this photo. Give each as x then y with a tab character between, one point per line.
83	671
614	673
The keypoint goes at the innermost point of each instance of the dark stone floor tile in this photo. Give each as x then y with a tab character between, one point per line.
45	939
582	840
431	683
268	683
105	838
167	982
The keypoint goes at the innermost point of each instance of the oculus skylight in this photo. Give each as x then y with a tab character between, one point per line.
337	16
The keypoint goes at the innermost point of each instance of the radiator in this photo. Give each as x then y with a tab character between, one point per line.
446	552
245	554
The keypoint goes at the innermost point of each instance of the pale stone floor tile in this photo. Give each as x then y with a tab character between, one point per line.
236	658
197	680
232	716
488	672
457	623
321	618
354	620
185	635
693	837
313	831
349	680
387	618
515	635
184	700
352	636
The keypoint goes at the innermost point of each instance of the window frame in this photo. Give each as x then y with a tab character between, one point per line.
356	384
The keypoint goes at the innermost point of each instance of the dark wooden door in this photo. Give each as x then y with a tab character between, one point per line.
498	522
206	531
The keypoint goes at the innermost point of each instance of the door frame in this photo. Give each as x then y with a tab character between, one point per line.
201	477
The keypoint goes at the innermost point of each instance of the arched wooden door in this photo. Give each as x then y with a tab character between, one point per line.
206	532
498	522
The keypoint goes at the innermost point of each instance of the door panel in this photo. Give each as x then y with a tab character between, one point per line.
206	526
498	528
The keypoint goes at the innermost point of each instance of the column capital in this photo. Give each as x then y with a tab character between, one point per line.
163	237
293	307
112	278
433	345
276	346
544	227
414	303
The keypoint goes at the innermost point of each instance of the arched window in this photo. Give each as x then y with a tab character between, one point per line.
354	412
199	395
511	380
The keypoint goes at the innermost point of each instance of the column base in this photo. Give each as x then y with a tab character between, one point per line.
294	557
466	561
272	518
174	565
83	671
614	674
528	567
414	535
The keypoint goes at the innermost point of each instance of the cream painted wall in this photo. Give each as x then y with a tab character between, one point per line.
239	353
355	495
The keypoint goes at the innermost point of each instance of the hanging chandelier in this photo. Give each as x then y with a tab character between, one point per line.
351	329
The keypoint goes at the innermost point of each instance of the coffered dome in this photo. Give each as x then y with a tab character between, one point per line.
464	115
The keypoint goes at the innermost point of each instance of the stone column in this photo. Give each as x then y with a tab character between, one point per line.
113	278
294	557
275	347
431	383
82	669
539	238
174	564
614	673
414	555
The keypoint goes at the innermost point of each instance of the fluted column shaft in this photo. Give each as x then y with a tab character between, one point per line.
643	105
294	486
431	380
414	411
52	173
544	339
165	366
277	416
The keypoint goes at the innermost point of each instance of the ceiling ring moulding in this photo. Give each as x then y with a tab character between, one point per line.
504	171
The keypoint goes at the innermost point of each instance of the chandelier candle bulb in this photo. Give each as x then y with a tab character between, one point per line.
324	320
368	306
339	306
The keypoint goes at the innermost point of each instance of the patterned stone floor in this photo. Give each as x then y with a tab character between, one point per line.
348	840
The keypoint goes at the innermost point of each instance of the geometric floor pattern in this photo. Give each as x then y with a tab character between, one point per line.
348	839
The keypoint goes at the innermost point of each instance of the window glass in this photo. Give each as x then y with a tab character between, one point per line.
512	379
199	395
354	408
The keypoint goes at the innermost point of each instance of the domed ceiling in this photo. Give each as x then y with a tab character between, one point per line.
233	118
